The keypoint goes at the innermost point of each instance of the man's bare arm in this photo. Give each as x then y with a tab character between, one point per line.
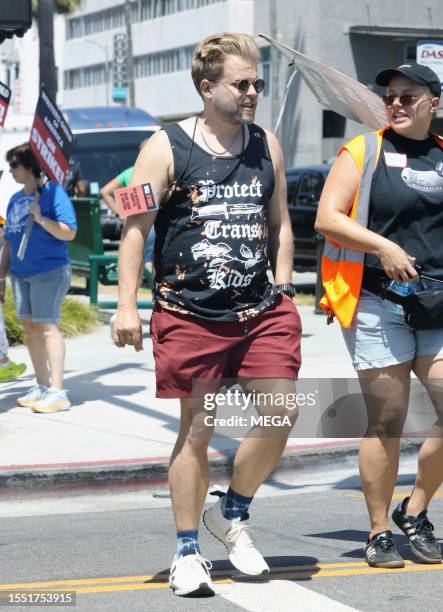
281	244
154	165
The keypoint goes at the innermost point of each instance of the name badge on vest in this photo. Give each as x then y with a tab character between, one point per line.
395	160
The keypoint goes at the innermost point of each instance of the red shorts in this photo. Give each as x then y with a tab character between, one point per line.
186	348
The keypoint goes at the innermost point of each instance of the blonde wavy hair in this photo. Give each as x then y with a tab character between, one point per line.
209	55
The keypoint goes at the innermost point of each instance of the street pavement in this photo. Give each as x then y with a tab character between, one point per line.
113	548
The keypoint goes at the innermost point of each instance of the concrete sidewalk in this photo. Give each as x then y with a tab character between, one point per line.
117	430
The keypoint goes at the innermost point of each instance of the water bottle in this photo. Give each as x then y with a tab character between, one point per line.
402	288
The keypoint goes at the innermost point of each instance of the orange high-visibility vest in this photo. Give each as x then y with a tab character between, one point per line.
342	268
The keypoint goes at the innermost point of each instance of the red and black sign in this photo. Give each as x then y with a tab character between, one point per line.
5	96
135	200
51	138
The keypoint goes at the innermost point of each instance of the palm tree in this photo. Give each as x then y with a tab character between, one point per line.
45	11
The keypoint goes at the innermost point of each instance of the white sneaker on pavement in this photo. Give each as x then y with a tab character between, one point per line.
31	396
190	577
51	400
235	534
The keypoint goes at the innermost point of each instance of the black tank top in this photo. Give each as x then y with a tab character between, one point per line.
211	249
406	202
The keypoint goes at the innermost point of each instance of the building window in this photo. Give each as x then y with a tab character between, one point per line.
88	76
141	10
334	125
152	64
411	52
164	62
265	69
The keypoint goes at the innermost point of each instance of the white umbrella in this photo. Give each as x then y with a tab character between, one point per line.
334	90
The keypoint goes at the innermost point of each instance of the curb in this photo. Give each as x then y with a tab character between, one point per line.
152	472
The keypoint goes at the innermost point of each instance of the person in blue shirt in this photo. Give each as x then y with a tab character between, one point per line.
9	370
41	278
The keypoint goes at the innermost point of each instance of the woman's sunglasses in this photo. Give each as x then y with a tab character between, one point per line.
405	100
244	84
14	164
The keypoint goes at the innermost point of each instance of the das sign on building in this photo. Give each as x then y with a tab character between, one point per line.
430	53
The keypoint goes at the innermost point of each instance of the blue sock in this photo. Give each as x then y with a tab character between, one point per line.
187	543
235	505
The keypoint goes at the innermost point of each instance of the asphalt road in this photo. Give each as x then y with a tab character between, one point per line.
114	547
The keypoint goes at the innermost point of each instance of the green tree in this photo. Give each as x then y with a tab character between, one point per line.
44	10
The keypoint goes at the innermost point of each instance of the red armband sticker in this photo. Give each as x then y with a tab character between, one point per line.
135	200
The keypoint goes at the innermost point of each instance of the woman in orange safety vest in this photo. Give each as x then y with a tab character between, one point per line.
381	212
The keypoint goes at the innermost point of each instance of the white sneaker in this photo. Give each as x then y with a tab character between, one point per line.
235	535
189	576
31	396
52	400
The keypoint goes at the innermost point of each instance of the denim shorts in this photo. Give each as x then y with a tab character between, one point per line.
380	337
39	297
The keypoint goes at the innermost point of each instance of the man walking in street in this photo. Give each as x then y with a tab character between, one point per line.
220	183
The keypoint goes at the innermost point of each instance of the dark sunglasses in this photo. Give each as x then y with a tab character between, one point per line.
405	100
14	164
244	84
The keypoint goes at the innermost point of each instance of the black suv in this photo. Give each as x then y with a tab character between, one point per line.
305	185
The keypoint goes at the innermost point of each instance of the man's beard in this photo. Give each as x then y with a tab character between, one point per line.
232	115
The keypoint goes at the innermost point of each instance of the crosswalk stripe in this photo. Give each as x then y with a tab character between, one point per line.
279	595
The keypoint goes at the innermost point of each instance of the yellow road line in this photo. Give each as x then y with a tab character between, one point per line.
294	572
80	581
363	571
135	587
279	576
73	582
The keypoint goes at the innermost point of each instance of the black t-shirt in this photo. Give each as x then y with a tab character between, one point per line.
211	249
406	202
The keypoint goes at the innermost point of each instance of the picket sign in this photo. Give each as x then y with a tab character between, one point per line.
51	142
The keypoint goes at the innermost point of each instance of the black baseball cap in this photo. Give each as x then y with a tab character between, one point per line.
416	72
